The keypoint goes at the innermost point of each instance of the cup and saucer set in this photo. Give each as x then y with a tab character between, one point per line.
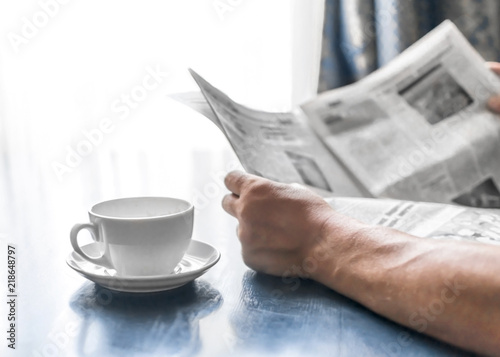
141	245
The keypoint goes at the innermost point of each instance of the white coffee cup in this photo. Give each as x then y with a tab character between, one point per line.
140	236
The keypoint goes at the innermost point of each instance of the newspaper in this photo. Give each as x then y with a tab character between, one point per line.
417	129
279	146
426	220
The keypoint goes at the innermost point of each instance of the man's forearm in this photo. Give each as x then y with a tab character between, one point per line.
446	289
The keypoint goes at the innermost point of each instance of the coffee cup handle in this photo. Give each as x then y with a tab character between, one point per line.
102	260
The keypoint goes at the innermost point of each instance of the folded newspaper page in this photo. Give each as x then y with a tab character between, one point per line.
426	220
419	129
278	146
196	101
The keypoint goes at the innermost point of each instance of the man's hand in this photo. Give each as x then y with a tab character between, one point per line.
280	225
494	102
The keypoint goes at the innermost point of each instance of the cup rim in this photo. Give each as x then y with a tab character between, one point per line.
92	213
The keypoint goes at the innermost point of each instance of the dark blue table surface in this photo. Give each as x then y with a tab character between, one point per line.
231	310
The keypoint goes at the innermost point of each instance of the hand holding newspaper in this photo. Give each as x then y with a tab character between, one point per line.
417	129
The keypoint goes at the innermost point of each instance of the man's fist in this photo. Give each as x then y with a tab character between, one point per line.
280	225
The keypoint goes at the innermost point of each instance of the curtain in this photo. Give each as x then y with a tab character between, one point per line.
360	36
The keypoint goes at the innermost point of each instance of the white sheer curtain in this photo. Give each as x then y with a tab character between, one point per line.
64	64
307	32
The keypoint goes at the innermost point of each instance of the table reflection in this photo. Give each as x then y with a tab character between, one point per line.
303	317
158	323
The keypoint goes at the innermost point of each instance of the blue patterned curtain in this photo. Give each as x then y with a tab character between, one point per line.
362	35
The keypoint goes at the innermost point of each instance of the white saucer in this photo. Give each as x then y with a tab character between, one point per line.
198	259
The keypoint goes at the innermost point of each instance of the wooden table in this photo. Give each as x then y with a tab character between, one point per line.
231	310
